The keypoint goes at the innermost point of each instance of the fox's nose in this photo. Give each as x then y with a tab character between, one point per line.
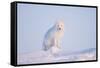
59	28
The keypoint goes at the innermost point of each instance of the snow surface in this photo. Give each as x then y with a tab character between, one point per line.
46	57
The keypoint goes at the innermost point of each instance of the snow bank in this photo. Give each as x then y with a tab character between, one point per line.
46	57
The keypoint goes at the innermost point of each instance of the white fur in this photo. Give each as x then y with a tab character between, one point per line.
53	37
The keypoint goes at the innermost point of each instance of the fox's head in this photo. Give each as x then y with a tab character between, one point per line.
60	25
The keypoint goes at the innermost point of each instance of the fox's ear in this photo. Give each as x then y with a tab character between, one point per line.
60	21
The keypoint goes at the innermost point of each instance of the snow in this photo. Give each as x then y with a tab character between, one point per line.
46	57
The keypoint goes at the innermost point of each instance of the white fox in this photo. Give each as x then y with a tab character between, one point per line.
53	37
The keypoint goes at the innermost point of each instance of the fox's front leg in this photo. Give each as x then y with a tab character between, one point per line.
57	43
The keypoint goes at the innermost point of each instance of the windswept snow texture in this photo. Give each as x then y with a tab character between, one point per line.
45	57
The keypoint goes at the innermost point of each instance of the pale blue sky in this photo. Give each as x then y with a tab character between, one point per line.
34	21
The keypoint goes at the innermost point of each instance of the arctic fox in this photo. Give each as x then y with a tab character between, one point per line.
53	37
